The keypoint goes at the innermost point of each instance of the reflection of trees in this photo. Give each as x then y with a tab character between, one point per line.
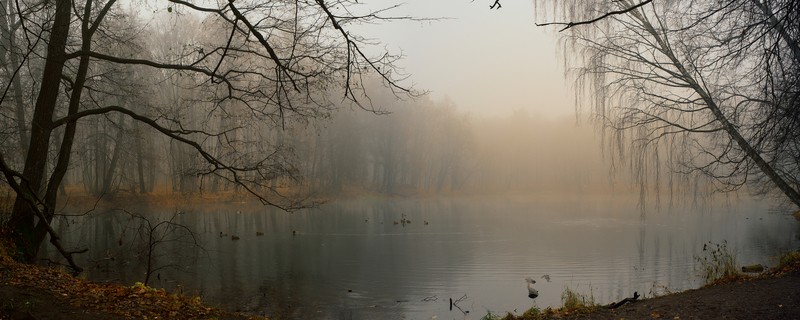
296	274
336	251
131	246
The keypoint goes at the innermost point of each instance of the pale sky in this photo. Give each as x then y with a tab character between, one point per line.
486	61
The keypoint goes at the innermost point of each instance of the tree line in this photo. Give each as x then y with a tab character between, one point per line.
415	146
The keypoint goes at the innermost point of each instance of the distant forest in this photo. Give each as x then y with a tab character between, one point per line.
411	146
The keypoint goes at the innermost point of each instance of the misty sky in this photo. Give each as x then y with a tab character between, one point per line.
486	61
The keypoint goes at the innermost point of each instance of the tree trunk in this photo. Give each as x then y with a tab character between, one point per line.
7	22
108	177
22	216
99	157
139	159
729	128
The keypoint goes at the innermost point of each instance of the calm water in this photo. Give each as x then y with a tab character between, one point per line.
349	260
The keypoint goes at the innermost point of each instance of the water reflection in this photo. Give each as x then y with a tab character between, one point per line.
350	260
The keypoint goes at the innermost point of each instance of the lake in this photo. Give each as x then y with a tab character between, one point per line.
354	259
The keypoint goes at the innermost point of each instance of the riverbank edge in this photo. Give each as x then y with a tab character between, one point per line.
771	294
42	292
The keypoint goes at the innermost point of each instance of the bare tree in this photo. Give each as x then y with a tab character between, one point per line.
268	63
152	234
713	81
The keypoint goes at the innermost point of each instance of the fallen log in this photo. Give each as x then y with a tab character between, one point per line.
756	268
624	301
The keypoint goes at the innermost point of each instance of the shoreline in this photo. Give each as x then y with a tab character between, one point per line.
38	292
772	294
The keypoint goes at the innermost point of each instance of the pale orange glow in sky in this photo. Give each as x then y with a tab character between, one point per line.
486	61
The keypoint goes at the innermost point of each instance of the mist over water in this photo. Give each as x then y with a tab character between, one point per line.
348	259
448	169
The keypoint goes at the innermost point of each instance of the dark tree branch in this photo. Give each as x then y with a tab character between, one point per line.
35	203
225	50
273	55
568	25
352	46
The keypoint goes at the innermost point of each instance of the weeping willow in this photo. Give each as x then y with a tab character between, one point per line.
691	96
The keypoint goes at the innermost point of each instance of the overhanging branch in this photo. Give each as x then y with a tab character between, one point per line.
571	24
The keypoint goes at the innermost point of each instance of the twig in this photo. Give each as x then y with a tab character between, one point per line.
455	303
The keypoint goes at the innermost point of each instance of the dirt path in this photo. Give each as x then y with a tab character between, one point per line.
768	298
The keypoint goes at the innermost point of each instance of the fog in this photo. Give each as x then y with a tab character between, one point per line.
412	147
431	147
423	112
212	121
489	114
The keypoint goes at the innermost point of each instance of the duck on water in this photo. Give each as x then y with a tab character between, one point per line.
532	292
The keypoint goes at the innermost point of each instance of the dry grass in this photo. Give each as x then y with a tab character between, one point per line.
788	262
718	265
574	303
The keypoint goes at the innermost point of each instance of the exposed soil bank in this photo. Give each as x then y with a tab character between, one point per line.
773	296
770	298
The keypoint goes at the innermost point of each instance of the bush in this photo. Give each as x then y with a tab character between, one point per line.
789	262
717	264
577	303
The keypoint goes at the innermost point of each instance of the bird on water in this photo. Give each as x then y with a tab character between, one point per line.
532	292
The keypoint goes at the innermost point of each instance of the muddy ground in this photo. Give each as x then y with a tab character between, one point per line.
765	298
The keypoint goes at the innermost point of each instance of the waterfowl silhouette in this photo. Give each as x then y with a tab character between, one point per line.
532	292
